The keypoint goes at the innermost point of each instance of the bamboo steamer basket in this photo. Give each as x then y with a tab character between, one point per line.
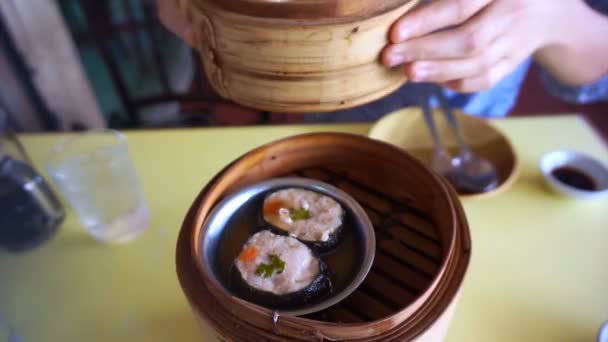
297	56
230	328
422	255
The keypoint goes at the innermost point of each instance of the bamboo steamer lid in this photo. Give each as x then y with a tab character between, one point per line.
307	9
423	317
264	55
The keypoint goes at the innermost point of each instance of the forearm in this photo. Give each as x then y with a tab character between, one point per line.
580	53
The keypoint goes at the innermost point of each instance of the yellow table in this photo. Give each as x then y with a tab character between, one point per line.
539	270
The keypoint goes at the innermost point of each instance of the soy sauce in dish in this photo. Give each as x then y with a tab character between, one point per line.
575	178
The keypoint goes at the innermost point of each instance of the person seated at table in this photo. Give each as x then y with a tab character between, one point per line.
480	52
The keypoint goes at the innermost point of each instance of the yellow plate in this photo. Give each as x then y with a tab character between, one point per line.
407	129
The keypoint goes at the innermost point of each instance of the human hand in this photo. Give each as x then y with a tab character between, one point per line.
470	45
174	20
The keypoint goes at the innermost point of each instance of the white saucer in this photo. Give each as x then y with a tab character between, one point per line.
588	165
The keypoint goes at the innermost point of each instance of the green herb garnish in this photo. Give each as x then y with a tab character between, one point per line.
266	270
299	214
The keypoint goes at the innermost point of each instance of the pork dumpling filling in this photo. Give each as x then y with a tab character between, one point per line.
279	272
277	264
306	215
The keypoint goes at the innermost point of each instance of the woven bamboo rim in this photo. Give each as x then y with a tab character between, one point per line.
237	176
306	328
306	9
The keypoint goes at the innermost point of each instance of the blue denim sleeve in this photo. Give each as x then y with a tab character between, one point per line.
594	92
597	91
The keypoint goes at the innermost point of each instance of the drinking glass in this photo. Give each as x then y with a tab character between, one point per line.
94	173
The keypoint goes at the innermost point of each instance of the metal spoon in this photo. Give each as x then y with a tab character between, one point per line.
474	174
442	160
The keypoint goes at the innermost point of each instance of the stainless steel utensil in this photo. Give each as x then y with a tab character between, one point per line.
467	172
442	161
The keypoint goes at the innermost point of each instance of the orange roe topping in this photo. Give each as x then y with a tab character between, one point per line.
273	207
249	254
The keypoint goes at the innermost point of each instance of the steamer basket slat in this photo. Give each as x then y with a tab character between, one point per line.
400	272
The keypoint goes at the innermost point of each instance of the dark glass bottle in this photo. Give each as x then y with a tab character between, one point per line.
30	212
